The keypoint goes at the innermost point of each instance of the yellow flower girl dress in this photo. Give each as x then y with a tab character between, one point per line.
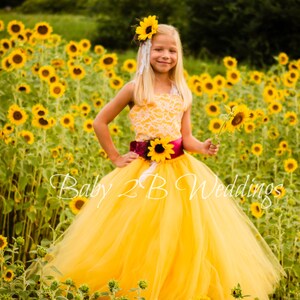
165	222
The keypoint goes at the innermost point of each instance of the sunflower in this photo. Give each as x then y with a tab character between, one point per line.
41	122
283	145
230	62
249	127
219	81
116	82
147	28
77	72
39	110
17	115
257	149
42	30
98	102
8	129
57	63
6	44
243	157
288	81
293	74
256	210
24	88
88	125
233	76
194	79
28	136
290	165
102	153
212	109
3	242
114	129
108	61
8	275
53	79
73	49
160	149
17	58
87	60
129	65
279	192
77	203
6	65
279	152
273	133
69	157
1	25
55	152
99	49
208	86
57	89
67	121
291	118
85	45
215	125
45	72
283	59
239	117
256	77
84	108
275	107
110	73
15	27
197	89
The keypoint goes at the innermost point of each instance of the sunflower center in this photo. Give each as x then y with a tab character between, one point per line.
5	45
257	209
43	121
216	125
1	243
108	60
22	89
66	121
116	82
17	59
26	137
79	204
209	86
292	118
73	48
45	73
275	107
41	113
57	90
15	28
8	274
290	166
237	119
89	126
213	108
230	63
77	71
270	92
148	29
159	148
130	66
17	115
234	75
256	149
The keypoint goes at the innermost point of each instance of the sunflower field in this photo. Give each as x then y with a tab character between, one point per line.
50	93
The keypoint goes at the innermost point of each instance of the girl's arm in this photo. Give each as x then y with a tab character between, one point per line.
190	143
107	115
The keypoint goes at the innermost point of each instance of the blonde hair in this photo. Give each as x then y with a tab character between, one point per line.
144	83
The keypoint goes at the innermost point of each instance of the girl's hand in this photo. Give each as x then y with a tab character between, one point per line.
209	148
124	160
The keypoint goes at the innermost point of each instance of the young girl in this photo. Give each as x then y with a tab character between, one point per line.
162	215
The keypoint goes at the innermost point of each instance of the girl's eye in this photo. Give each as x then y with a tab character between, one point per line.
158	49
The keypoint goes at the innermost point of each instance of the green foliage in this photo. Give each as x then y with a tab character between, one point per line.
252	30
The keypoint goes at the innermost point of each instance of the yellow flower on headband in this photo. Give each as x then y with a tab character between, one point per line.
147	28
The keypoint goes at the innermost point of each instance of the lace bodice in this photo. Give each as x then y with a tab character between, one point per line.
162	118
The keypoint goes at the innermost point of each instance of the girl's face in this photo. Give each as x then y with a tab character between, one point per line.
163	55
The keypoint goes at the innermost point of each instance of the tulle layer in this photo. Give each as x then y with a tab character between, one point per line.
172	227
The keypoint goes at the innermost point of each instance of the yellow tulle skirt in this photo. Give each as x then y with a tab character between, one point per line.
170	225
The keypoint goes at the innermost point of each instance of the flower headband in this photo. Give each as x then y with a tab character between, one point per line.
143	33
